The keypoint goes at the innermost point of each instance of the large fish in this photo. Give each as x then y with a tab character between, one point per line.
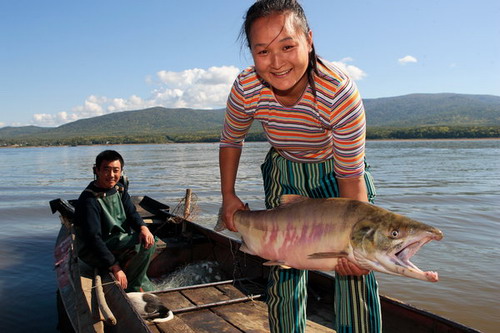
313	234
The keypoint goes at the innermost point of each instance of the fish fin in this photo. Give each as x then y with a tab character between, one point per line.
220	226
286	199
327	255
276	263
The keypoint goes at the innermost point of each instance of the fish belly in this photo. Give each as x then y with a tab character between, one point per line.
307	247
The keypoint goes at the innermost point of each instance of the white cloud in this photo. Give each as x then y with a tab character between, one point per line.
192	88
45	119
354	72
196	88
407	59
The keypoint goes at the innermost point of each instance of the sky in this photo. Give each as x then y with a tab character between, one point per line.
61	61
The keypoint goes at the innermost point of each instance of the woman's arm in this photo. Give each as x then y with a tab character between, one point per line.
353	188
229	159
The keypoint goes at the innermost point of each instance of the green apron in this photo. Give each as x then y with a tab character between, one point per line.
131	255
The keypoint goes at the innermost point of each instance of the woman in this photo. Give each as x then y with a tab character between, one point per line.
314	119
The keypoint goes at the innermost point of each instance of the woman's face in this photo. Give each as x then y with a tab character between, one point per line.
281	53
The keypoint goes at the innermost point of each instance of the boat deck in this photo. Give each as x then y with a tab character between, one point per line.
228	306
236	305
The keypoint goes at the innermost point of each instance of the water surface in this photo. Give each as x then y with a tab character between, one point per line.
453	185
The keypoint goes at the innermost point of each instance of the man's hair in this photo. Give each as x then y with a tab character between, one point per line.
108	155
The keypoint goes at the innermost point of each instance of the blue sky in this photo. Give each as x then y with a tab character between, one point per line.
65	60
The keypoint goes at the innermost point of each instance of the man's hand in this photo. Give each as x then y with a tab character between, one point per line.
120	275
146	237
345	267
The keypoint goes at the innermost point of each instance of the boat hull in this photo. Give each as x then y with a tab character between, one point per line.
209	308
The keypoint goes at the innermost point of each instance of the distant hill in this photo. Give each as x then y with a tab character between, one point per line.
473	115
157	120
12	132
434	109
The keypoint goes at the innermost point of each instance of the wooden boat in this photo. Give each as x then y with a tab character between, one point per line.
234	304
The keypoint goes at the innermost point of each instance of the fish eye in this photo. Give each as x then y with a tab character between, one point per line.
394	233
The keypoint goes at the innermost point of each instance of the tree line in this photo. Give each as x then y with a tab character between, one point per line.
373	133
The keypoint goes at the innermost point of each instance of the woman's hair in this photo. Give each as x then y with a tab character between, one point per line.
263	8
108	155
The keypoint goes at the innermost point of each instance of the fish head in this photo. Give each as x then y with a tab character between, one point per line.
384	241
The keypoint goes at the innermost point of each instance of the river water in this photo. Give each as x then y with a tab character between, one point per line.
453	185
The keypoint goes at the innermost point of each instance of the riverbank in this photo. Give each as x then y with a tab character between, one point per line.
172	143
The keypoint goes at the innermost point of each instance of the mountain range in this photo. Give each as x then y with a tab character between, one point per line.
402	112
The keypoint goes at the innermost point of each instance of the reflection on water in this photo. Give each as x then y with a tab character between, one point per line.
453	185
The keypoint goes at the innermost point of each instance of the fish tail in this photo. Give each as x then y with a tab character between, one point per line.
220	226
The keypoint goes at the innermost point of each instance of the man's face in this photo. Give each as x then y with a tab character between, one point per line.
108	174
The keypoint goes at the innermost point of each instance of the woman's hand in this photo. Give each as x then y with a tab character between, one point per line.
231	204
345	267
352	188
146	237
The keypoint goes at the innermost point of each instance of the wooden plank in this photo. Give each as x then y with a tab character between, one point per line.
250	316
205	295
176	325
174	300
152	327
75	288
206	321
91	299
311	326
128	319
231	291
196	322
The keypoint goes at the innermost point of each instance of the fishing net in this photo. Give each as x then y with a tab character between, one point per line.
196	273
186	208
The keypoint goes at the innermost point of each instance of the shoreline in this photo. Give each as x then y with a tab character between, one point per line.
440	139
170	143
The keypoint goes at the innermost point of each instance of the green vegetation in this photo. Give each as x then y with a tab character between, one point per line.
434	132
433	110
417	116
375	133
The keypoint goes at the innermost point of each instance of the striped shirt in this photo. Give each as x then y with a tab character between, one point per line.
328	125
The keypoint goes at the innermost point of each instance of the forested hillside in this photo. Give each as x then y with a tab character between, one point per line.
410	116
434	110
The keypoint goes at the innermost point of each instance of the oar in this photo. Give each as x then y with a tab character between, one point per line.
106	312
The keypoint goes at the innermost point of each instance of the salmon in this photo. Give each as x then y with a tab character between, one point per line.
313	234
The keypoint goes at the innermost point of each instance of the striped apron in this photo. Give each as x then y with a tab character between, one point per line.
357	304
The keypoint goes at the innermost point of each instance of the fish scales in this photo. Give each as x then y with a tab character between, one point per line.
279	234
307	233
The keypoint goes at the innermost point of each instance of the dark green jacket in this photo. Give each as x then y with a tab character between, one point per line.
97	237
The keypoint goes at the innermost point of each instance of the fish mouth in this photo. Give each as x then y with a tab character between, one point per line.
401	259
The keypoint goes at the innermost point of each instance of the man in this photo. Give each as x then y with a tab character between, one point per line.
110	233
